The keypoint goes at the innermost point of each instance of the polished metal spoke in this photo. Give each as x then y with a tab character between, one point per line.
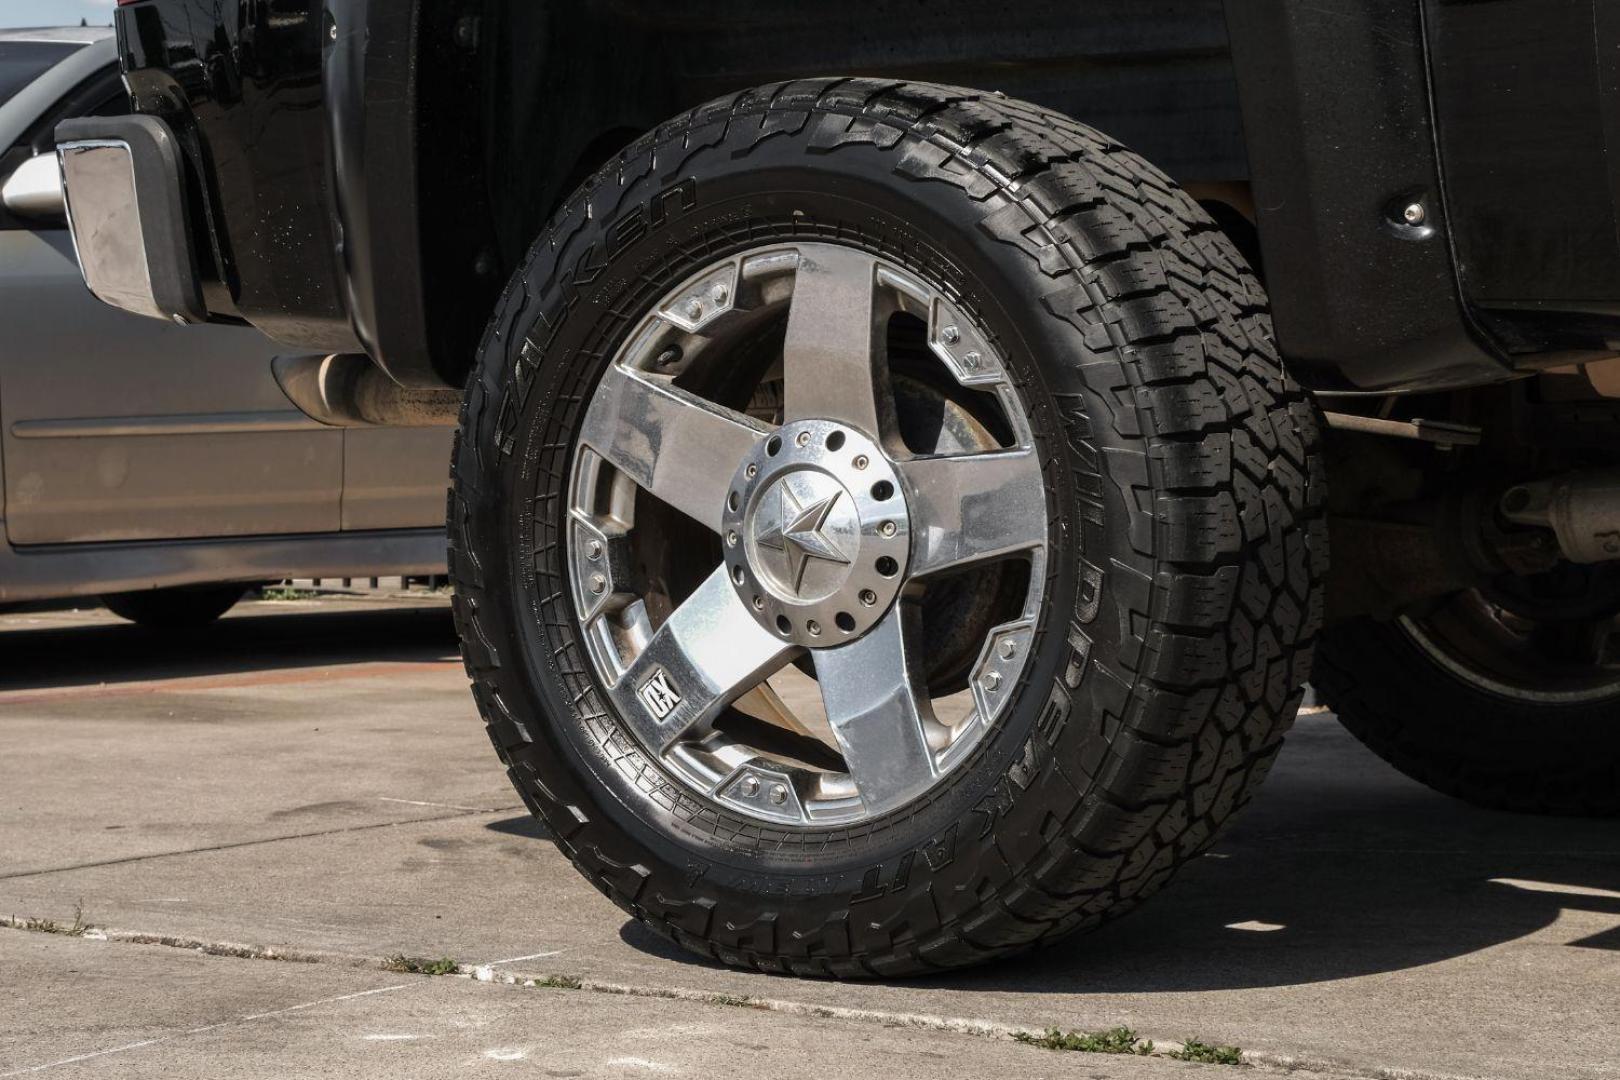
828	357
973	507
878	706
678	446
709	652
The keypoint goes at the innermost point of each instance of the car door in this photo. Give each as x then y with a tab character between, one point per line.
118	427
395	478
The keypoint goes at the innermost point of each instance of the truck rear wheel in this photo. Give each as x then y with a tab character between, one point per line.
884	537
1507	696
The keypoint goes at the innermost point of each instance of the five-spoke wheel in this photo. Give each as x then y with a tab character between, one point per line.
829	529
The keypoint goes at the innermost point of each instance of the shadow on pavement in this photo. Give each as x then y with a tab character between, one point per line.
1340	868
249	640
525	825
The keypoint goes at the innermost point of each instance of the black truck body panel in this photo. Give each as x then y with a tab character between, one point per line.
373	169
243	95
1340	142
1527	95
368	172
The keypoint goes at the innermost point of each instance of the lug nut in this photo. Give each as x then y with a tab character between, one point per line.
759	603
991	681
593	550
751	472
971	361
803	438
1008	650
1414	214
718	292
694	308
868	597
778	794
749	786
598	583
861	462
950	335
731	538
887	528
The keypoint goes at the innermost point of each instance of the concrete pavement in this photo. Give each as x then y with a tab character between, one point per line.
101	1008
310	780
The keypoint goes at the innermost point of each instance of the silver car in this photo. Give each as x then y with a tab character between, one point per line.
161	466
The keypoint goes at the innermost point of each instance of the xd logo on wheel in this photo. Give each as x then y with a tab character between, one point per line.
659	695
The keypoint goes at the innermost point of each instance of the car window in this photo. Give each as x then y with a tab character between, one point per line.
102	94
21	62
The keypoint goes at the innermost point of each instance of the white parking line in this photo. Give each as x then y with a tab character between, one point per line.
206	1027
531	956
446	806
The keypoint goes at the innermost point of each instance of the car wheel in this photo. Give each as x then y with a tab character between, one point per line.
884	537
183	608
1507	696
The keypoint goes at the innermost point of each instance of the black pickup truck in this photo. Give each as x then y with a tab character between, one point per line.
899	444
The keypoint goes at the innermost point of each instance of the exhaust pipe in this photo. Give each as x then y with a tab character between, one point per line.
344	390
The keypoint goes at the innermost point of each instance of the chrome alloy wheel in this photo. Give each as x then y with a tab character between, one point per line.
829	529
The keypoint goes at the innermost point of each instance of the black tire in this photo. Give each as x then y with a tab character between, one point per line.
1179	458
1488	746
184	608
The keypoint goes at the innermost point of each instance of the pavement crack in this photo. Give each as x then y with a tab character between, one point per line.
1298	1065
125	860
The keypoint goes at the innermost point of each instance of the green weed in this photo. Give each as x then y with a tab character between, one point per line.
1194	1050
1116	1040
421	965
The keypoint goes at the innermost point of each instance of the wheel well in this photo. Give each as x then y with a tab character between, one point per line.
1232	206
559	88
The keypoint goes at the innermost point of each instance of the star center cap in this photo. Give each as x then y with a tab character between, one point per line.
800	519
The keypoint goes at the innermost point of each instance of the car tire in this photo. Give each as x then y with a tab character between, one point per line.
1178	468
184	608
1470	734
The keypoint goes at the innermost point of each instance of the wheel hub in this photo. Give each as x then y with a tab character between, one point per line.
817	533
